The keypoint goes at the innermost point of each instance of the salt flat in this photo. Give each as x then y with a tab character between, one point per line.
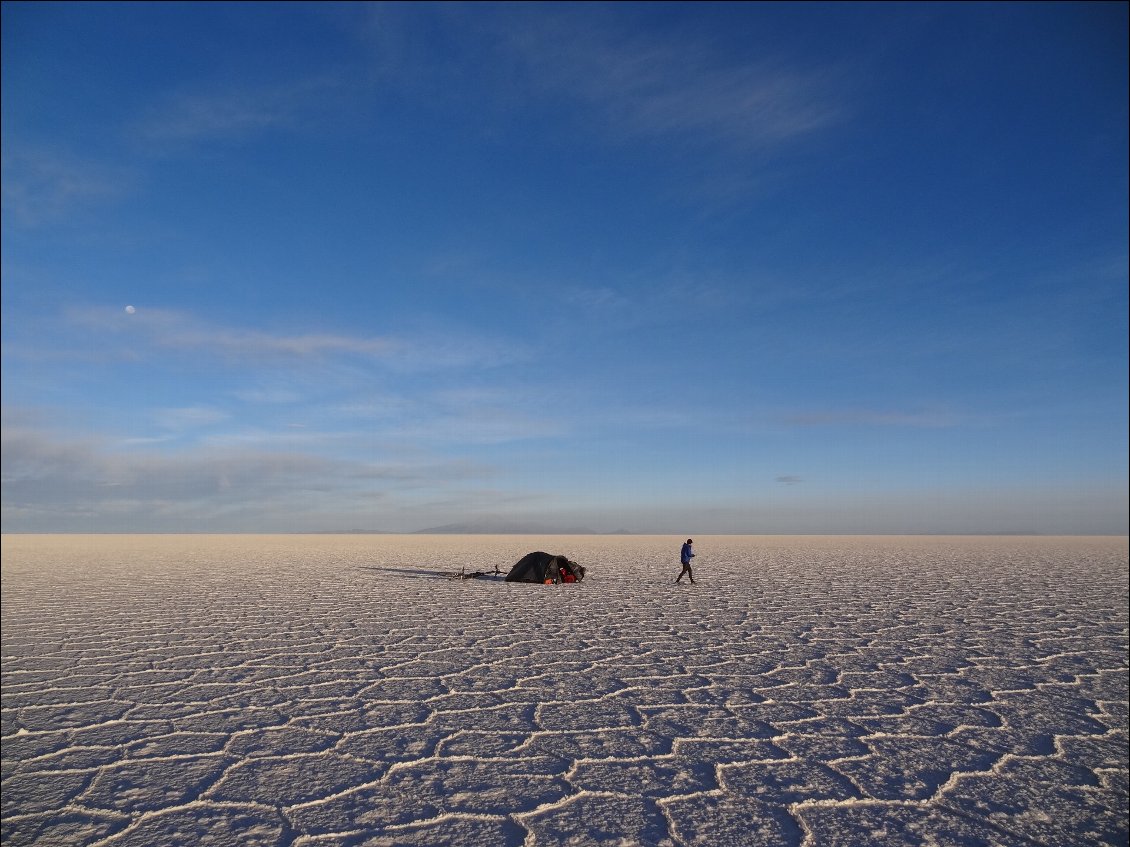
340	690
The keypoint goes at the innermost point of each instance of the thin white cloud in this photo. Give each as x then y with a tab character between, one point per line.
437	423
62	484
243	342
454	416
628	83
600	299
867	417
190	417
268	396
455	349
642	85
183	332
652	297
235	112
41	186
749	106
377	408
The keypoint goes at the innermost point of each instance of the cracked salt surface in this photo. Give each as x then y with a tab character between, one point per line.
324	691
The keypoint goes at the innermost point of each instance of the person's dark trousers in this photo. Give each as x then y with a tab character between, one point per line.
686	571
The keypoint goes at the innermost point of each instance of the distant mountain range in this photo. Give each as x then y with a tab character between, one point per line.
482	529
505	529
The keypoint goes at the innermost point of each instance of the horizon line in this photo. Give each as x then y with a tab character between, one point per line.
619	533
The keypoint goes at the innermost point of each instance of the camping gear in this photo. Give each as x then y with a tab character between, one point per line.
462	573
545	569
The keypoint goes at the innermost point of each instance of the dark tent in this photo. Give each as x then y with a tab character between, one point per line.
544	568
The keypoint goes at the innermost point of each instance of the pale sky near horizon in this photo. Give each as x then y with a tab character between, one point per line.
682	268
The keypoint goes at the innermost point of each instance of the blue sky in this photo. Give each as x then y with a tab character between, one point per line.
673	268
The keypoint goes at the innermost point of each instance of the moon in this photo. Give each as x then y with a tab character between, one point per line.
130	310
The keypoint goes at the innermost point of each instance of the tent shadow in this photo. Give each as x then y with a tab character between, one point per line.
415	573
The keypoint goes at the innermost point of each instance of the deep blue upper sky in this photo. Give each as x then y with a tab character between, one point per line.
675	268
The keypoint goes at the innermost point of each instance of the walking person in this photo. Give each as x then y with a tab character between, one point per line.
685	556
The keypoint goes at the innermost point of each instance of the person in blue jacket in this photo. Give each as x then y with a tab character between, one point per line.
685	556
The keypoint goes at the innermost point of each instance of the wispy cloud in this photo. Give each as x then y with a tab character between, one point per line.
269	396
188	417
64	483
41	186
456	415
599	299
180	331
235	112
872	418
243	343
645	85
629	83
638	90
